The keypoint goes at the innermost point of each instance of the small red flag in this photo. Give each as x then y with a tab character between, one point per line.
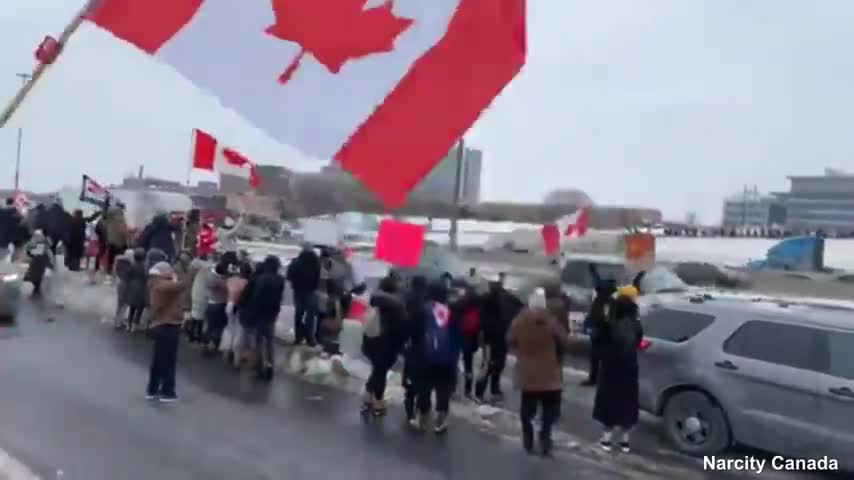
399	243
551	240
48	50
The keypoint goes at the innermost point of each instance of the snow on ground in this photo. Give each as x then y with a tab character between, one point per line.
838	253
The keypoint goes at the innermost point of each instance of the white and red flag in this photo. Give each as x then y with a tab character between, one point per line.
93	192
573	225
384	87
209	154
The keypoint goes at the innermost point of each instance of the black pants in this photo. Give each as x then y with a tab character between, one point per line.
264	341
497	362
72	261
305	318
380	365
436	379
470	346
196	330
549	402
216	320
135	316
161	379
113	251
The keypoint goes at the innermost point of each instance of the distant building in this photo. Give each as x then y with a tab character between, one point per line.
752	209
821	202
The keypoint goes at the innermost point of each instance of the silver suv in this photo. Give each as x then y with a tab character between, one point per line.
771	376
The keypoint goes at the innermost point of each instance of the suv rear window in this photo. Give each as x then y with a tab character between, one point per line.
577	273
675	325
842	354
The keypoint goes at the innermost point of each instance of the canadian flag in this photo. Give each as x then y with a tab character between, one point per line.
210	155
573	225
384	87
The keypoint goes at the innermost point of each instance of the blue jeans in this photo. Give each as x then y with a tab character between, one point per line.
305	318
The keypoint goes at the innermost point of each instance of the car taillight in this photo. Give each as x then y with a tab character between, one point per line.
644	345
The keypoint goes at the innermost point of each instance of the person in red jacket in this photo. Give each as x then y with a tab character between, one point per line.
206	241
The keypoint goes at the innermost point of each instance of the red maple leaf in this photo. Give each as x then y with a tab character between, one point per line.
335	32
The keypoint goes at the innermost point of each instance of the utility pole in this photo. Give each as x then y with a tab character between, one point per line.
453	232
25	77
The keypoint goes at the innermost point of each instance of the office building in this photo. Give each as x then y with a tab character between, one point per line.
821	202
439	183
752	209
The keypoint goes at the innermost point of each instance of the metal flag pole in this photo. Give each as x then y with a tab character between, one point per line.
25	77
25	89
453	232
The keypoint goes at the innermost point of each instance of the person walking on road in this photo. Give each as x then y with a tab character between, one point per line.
166	317
616	403
235	284
75	243
259	310
499	309
304	277
159	235
416	302
136	290
537	338
42	262
199	299
216	317
469	309
117	235
57	222
382	346
439	340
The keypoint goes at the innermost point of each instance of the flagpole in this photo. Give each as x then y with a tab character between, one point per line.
66	34
453	232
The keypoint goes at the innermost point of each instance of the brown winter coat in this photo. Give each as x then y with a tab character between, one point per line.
535	337
117	229
166	298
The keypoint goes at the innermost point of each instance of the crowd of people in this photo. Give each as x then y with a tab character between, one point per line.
189	276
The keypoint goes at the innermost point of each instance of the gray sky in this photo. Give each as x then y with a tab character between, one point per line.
671	104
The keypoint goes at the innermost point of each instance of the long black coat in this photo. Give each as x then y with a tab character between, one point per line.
158	235
617	392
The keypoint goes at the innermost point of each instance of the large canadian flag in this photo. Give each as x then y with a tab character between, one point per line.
385	87
211	155
573	225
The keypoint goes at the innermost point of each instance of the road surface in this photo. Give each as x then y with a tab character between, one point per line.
71	401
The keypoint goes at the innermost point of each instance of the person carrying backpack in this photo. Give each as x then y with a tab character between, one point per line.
616	403
440	340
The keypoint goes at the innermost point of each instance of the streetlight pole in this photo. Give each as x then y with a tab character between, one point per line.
453	232
25	77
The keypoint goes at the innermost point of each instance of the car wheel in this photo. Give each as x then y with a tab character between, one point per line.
696	425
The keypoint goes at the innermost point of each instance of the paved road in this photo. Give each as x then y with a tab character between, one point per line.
71	399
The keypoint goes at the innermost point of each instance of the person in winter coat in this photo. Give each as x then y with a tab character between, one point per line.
198	299
216	316
116	229
75	243
166	317
330	316
159	235
57	221
10	220
437	342
137	290
304	276
236	284
41	261
122	268
500	307
616	403
468	308
536	337
259	310
383	349
559	304
416	302
603	290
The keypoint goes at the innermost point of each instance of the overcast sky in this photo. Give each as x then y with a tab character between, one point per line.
671	104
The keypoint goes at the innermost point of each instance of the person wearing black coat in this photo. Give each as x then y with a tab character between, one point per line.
75	242
416	301
159	235
616	404
56	224
500	307
259	308
603	297
382	351
10	220
304	277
